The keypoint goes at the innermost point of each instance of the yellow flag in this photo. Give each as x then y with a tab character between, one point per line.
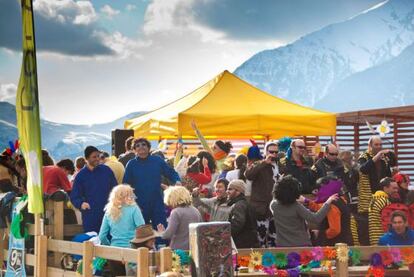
27	110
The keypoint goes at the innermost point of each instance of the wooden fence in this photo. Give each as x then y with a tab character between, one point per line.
51	246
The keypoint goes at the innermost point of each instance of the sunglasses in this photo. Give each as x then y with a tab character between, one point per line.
273	152
140	144
300	146
332	154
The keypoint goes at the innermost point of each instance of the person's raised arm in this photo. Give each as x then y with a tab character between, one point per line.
201	137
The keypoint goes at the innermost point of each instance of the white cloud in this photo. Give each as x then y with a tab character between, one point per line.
109	11
130	7
67	11
8	93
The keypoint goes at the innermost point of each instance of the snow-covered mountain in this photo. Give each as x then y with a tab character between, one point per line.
386	85
307	70
62	140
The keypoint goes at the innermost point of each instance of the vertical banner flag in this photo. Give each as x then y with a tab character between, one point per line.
27	109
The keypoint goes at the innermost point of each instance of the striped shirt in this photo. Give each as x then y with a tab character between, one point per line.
379	201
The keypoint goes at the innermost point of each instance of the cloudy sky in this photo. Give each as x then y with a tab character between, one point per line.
99	60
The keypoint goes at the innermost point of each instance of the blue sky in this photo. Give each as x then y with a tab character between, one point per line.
99	60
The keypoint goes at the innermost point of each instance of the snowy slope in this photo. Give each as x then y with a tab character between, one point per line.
306	70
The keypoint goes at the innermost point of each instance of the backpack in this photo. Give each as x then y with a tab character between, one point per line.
388	210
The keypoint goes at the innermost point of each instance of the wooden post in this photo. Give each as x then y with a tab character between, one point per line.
41	256
395	136
87	258
58	225
342	252
142	262
356	140
165	259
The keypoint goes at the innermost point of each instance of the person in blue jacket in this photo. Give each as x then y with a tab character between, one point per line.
144	173
400	233
91	189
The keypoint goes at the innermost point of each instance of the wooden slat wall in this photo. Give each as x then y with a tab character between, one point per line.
400	139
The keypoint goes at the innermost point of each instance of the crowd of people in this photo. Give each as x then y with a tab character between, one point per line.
282	197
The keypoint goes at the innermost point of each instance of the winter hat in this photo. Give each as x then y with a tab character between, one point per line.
254	152
238	185
284	144
89	150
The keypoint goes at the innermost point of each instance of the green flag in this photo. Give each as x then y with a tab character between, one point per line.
27	110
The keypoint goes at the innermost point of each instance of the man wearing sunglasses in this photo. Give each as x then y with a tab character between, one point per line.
264	175
298	166
329	165
144	174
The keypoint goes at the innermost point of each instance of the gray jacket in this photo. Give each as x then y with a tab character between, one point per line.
218	210
290	222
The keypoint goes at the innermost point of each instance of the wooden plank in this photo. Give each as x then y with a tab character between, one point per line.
165	259
57	272
87	258
72	229
58	217
41	255
116	253
62	246
142	262
31	228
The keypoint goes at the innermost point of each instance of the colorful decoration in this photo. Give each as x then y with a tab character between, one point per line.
268	259
306	256
355	256
383	128
396	255
329	253
407	255
281	260
293	260
342	253
184	257
386	258
317	253
293	263
176	263
370	128
243	261
256	258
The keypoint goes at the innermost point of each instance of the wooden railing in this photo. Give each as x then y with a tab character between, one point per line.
52	243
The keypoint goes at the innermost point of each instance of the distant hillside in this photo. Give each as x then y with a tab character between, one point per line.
62	140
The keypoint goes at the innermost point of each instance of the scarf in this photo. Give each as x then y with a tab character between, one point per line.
219	155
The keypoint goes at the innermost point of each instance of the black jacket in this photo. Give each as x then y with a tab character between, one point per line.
303	173
324	167
345	234
243	223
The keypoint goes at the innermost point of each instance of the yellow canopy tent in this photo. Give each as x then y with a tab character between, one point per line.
228	107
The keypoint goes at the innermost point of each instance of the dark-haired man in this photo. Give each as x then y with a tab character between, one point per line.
298	166
243	223
55	177
129	152
400	233
144	173
91	189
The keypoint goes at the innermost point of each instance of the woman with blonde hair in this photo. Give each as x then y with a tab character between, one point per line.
122	217
183	213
